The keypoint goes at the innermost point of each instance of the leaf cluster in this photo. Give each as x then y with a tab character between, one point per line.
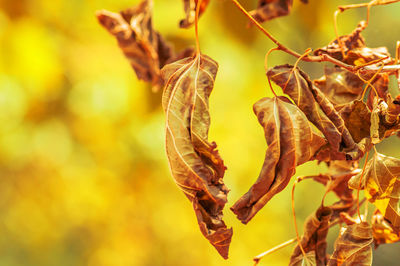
336	120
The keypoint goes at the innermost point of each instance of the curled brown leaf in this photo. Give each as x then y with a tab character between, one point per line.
190	11
291	142
194	162
145	48
318	109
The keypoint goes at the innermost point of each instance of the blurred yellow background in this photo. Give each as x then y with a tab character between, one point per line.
84	179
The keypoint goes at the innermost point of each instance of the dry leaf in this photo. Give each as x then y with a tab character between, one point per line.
145	49
353	247
357	118
383	231
270	9
190	11
381	182
195	164
354	48
318	109
316	229
291	142
340	86
384	118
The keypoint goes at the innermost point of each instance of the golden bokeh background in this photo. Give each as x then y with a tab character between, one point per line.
84	179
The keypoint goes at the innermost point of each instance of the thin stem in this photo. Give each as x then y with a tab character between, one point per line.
272	250
266	68
321	58
337	31
343	8
299	179
359	186
369	82
196	26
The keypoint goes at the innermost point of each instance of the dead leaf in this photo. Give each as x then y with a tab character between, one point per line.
190	11
353	247
291	142
381	182
384	118
318	109
145	48
357	118
383	231
316	229
354	48
270	9
194	162
340	86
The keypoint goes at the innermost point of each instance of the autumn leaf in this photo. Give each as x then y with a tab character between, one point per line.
145	48
194	162
318	109
353	246
381	182
316	229
355	52
381	85
340	86
270	9
383	231
190	11
357	118
291	142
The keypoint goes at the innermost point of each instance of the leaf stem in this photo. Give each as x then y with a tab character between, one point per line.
272	250
196	26
359	185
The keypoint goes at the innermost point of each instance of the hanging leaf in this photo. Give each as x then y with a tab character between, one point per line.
351	41
316	229
190	11
357	118
381	182
340	86
145	48
270	9
291	142
353	247
195	164
318	109
383	231
355	51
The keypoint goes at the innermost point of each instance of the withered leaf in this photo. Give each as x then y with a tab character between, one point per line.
357	118
354	48
291	142
383	231
318	109
353	246
270	9
381	182
194	162
316	229
145	48
340	86
384	118
190	10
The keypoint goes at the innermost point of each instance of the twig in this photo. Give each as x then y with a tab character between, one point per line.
323	57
